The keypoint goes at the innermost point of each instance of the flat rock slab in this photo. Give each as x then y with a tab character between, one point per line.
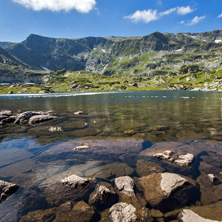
187	215
6	189
122	212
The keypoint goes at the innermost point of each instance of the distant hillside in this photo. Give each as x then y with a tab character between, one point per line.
150	54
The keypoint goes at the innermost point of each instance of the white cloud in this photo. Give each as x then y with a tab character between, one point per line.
182	22
143	16
219	16
184	10
168	12
147	16
196	20
83	6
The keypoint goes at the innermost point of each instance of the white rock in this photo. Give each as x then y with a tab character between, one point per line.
125	185
189	216
170	182
184	160
122	212
75	181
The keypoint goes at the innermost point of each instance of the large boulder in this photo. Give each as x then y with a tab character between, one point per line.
167	191
6	189
122	212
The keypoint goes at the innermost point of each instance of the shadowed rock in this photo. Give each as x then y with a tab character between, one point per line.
6	189
166	191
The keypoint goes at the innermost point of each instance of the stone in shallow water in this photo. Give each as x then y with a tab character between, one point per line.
146	167
68	211
122	212
125	185
74	181
103	196
41	118
6	189
187	215
211	192
184	160
167	191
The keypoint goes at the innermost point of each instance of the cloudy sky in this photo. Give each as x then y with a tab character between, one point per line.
81	18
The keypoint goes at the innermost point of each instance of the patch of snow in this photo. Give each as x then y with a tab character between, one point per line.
178	50
46	69
103	50
218	40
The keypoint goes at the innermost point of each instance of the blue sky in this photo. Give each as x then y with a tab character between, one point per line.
81	18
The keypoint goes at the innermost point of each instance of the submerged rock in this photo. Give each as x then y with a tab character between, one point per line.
75	181
7	189
125	185
122	212
187	215
167	191
41	118
24	117
68	211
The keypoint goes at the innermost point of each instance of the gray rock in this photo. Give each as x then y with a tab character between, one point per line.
41	118
78	112
170	182
187	215
125	185
6	112
103	195
122	212
75	181
8	119
24	117
184	160
167	191
6	189
166	155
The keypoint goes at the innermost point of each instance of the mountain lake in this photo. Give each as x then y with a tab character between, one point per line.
115	135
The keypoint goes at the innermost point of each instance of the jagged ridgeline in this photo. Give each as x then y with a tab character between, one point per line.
154	55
